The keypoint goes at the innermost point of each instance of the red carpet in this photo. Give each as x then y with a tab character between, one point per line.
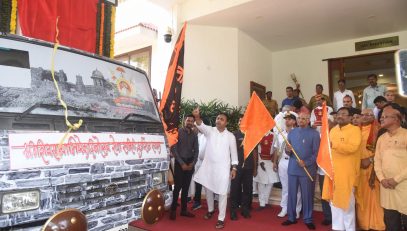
261	220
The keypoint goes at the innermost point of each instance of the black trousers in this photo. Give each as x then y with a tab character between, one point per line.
326	208
394	220
241	189
198	191
182	180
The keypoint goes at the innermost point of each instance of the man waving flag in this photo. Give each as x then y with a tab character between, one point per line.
255	123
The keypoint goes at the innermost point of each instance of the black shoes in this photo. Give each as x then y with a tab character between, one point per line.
173	214
310	226
233	215
326	222
288	222
186	214
246	214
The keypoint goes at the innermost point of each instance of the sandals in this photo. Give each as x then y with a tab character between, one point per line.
209	215
220	224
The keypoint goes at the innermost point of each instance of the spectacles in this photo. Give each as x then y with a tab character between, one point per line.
367	115
302	118
342	114
386	117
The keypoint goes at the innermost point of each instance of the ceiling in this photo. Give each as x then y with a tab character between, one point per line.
288	24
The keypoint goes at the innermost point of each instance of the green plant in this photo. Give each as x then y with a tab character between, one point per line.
209	112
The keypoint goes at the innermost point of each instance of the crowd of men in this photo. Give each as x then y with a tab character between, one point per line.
368	188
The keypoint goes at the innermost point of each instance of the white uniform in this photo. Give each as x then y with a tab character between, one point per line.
279	145
265	179
214	173
202	145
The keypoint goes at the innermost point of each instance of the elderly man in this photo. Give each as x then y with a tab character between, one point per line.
220	157
368	210
305	141
391	169
345	142
372	91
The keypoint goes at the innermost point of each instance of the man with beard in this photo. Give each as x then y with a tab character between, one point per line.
345	145
391	169
219	164
186	153
368	210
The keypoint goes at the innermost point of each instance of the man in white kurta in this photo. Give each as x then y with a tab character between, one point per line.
214	173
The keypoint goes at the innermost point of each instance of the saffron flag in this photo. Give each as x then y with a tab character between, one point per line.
171	99
324	158
255	123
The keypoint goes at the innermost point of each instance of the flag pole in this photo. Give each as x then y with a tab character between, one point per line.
296	155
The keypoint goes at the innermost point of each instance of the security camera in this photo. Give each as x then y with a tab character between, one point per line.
168	35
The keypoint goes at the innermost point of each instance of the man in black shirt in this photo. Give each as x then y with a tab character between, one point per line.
246	169
186	154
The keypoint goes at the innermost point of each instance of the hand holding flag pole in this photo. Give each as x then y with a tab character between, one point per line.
296	155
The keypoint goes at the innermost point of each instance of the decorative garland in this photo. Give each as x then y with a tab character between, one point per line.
98	18
112	26
5	13
102	22
13	18
107	31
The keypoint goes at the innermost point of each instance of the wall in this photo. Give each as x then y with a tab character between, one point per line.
309	68
211	66
254	64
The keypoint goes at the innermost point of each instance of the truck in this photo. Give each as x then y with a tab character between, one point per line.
104	166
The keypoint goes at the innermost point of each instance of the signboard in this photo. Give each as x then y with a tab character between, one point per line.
377	43
33	150
90	86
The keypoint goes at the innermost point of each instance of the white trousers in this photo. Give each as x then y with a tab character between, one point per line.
282	172
344	220
264	193
222	202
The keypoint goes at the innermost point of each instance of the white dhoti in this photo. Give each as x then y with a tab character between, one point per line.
344	219
265	181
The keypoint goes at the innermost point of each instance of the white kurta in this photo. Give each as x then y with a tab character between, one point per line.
220	154
202	145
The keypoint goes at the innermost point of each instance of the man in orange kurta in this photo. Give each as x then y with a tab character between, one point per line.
345	144
368	210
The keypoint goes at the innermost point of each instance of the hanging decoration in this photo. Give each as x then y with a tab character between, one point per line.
102	24
13	17
107	30
112	30
5	15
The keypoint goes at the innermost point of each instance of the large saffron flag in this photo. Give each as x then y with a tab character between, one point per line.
255	123
171	99
324	158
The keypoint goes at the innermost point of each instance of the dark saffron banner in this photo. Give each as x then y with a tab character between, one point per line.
171	99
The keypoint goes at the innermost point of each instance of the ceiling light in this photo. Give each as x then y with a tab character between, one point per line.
381	75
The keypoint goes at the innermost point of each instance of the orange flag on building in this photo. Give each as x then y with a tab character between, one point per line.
255	123
171	100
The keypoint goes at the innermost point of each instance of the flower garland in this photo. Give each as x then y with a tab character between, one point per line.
102	22
113	22
98	14
107	29
5	12
13	18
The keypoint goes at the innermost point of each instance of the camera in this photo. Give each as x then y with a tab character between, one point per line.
168	35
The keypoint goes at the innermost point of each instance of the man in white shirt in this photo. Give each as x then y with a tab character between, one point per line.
339	94
215	172
372	91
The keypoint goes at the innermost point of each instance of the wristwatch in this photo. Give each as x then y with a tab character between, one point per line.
371	159
234	167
